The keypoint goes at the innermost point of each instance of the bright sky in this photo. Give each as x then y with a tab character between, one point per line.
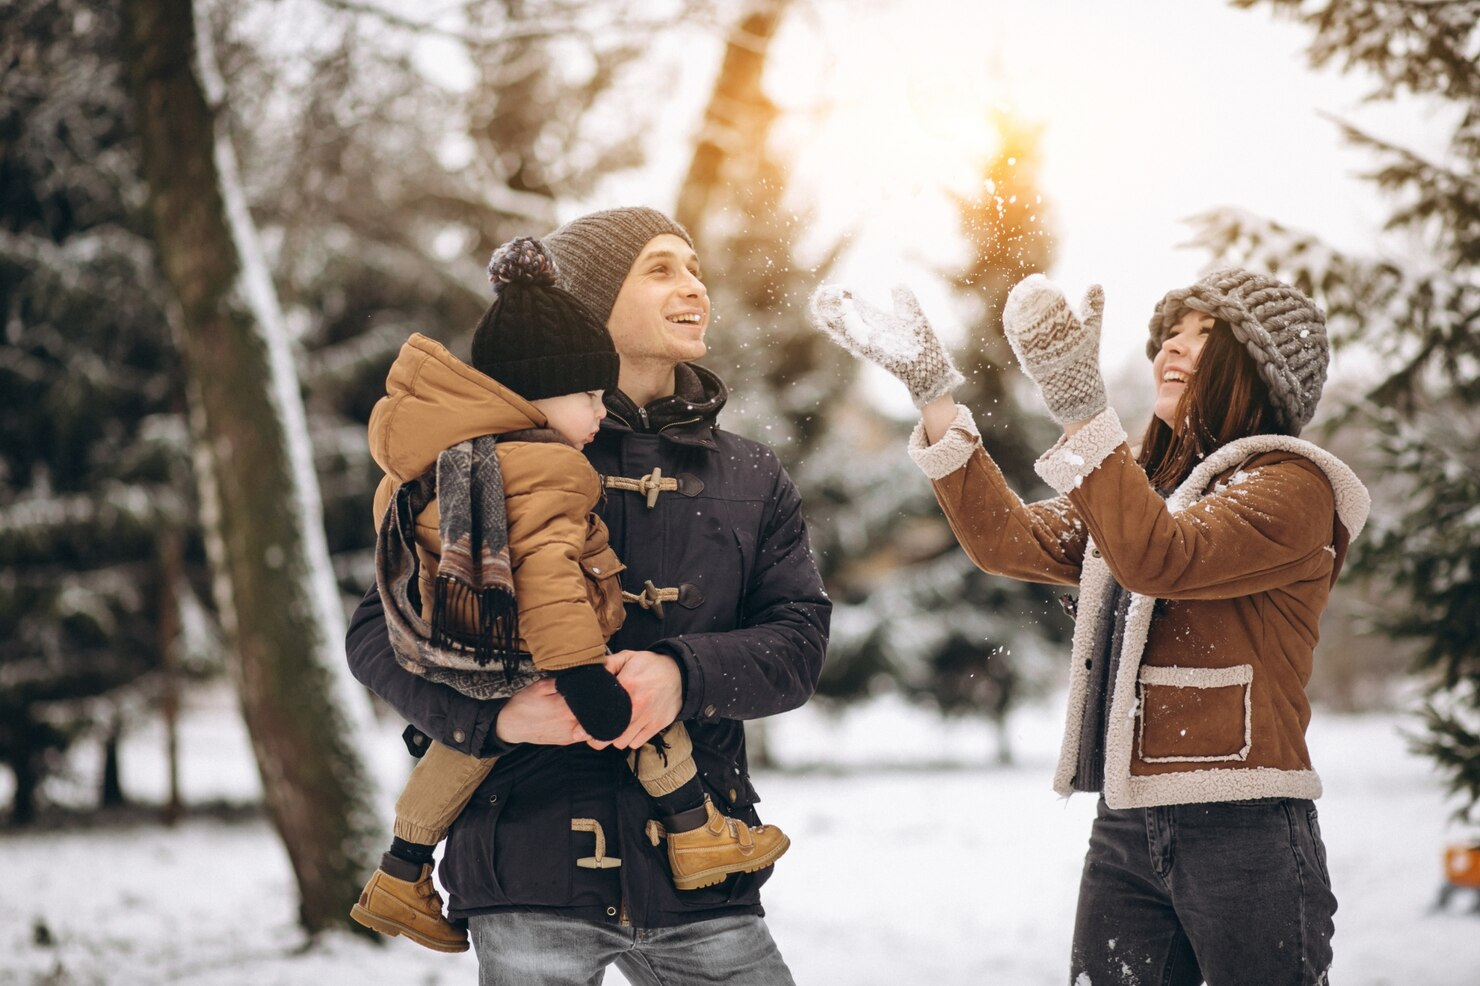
1152	111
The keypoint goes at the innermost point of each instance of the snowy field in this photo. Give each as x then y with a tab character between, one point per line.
912	863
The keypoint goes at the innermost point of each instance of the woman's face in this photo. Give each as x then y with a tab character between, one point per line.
1176	361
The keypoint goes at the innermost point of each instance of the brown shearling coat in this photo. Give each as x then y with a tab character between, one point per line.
565	572
1228	578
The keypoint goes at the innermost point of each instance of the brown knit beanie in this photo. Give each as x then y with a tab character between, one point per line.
1283	330
596	251
536	338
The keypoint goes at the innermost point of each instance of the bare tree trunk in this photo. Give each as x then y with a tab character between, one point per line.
110	793
273	585
738	111
172	563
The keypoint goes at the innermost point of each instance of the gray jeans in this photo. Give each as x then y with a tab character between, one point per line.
549	949
1234	893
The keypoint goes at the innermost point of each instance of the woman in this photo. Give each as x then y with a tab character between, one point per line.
1204	561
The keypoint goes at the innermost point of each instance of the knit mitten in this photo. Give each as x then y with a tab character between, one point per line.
1056	349
902	342
598	701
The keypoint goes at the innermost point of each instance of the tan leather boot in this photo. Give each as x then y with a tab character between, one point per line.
413	908
706	855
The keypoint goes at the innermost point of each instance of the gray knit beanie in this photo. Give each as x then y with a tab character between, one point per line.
596	251
1283	330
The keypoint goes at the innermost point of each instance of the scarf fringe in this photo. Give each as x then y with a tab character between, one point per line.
454	604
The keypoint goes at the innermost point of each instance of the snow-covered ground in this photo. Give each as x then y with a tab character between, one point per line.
912	863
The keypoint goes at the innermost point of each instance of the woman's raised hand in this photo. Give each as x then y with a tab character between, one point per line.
901	342
1056	349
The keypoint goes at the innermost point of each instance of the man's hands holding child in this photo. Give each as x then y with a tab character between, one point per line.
655	684
539	714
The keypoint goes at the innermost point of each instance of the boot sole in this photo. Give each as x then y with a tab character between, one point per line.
391	929
708	878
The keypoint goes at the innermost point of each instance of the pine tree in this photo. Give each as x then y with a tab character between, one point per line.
912	611
910	614
944	631
734	202
780	374
1417	312
994	656
96	503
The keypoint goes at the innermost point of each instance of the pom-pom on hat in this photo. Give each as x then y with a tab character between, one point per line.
536	338
1283	330
597	251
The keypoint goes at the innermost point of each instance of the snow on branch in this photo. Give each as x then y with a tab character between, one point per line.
1422	46
117	518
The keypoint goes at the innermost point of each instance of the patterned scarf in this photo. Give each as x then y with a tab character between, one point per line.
474	586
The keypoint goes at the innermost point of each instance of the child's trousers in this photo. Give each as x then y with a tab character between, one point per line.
444	780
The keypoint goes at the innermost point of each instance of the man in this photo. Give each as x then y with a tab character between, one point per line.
555	863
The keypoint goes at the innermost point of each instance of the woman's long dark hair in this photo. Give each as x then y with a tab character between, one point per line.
1226	400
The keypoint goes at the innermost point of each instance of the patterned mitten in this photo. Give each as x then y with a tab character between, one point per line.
902	342
1060	353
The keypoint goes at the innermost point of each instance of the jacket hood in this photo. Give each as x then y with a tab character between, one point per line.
433	400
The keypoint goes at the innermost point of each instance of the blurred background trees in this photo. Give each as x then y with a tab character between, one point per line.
384	152
375	194
99	542
1413	314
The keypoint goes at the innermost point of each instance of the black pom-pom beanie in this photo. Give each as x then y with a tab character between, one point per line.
537	339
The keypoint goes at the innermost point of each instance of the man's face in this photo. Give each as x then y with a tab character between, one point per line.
662	310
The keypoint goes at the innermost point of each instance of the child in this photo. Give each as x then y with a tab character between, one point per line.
494	571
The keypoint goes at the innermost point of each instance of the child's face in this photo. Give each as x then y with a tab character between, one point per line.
575	416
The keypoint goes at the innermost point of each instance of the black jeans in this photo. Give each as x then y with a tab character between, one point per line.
1231	893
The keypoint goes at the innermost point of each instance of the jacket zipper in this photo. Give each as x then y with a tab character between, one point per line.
675	424
647	423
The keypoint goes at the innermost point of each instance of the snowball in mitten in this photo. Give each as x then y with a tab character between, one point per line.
901	342
1056	349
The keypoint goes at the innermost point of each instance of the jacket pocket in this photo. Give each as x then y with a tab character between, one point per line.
602	570
513	844
467	869
1201	715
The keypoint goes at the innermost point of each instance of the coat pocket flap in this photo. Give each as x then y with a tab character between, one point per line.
602	564
1241	674
1190	715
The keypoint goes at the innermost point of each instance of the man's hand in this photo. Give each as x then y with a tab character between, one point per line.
656	686
538	714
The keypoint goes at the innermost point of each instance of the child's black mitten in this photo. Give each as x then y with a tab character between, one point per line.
598	701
